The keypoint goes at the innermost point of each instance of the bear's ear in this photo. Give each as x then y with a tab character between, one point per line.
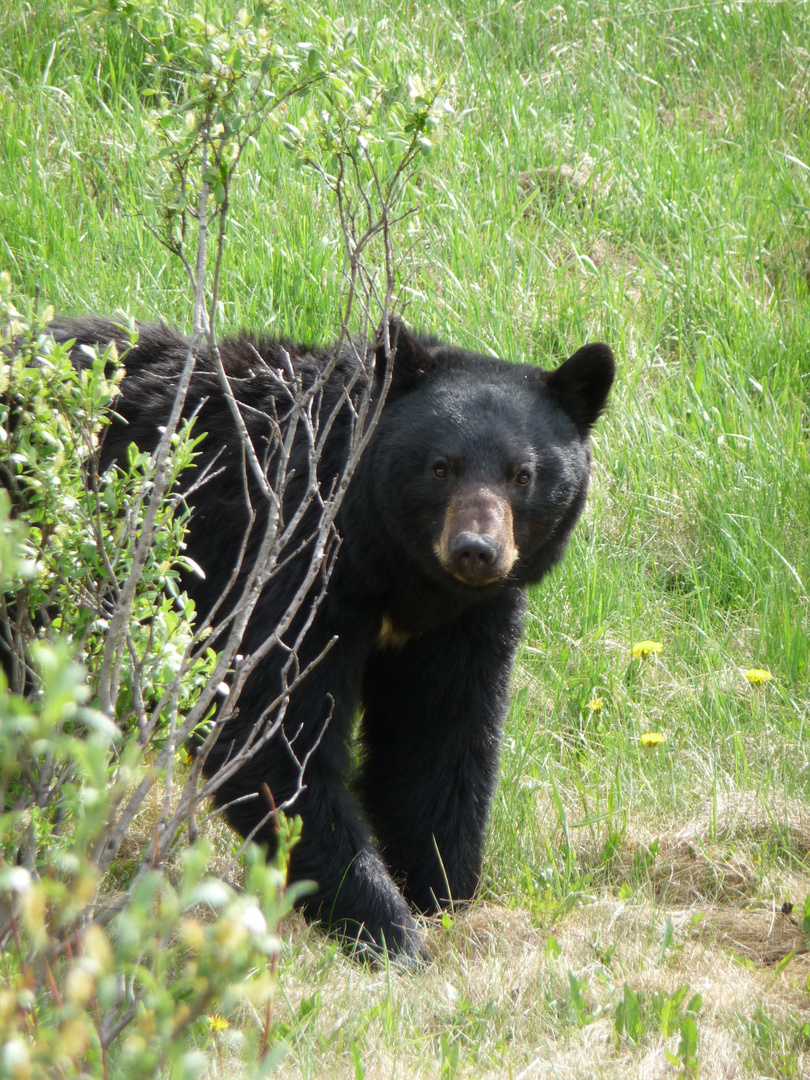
581	385
411	360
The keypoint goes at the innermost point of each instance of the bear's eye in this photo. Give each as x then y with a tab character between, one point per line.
440	470
523	476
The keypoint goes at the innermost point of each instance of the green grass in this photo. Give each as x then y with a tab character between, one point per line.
686	245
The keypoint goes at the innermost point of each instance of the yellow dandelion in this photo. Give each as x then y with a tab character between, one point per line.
595	704
218	1023
757	676
645	648
651	738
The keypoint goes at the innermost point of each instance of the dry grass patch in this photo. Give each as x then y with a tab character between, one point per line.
698	118
518	993
753	816
495	990
566	183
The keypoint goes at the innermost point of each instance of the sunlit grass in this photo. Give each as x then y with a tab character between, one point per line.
620	172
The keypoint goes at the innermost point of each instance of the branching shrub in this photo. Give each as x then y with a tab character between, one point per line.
113	965
91	976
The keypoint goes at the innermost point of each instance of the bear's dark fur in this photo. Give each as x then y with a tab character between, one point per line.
467	492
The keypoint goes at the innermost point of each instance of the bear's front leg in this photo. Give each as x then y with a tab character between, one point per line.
355	897
433	710
305	766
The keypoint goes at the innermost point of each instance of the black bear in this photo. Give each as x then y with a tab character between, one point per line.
466	492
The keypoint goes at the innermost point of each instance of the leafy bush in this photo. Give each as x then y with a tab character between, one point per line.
96	977
114	962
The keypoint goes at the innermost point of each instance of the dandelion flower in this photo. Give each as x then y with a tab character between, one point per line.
651	738
757	676
595	704
645	648
218	1023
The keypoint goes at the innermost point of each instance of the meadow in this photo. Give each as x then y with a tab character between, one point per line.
636	173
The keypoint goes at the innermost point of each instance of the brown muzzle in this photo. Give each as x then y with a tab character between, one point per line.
477	545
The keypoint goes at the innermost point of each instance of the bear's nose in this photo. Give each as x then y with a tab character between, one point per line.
474	556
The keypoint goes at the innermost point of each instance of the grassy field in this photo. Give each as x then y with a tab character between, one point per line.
628	172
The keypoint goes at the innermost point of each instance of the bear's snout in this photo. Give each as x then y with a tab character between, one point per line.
474	556
477	545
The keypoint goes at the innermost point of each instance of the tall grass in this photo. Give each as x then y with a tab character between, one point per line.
628	172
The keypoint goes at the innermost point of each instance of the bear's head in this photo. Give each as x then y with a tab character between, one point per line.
480	467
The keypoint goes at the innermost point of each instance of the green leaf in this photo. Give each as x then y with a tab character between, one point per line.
628	1016
688	1046
578	1003
783	963
667	937
665	1017
553	949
